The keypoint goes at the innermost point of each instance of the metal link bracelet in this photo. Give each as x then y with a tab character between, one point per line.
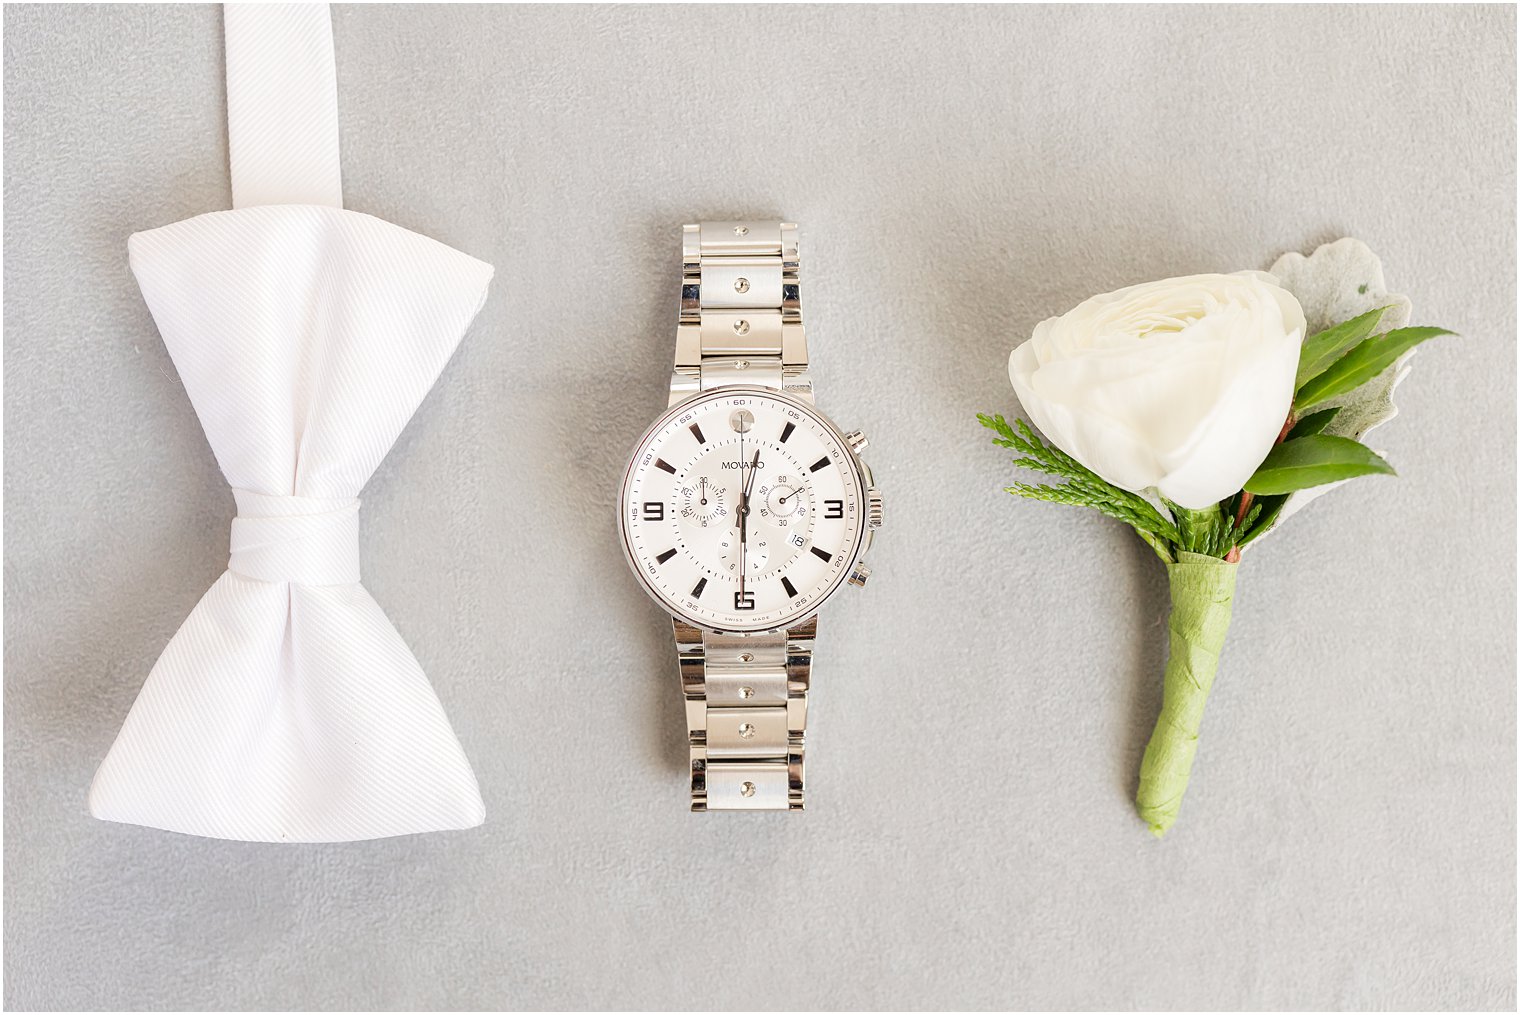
746	710
746	694
741	313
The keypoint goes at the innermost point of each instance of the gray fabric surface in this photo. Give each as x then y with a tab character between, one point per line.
980	709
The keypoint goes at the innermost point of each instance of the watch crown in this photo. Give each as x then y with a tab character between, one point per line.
860	575
873	508
857	441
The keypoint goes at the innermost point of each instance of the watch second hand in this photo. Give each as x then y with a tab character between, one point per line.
743	546
744	518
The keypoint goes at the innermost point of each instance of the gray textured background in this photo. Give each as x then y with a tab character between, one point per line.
1349	839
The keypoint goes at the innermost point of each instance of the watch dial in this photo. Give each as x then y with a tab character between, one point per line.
742	510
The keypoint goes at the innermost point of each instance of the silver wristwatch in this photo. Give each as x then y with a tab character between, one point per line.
743	509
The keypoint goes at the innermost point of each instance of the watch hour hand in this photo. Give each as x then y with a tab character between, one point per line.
748	482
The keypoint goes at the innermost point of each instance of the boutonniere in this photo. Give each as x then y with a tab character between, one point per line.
1202	412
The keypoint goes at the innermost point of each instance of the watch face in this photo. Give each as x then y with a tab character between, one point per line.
742	510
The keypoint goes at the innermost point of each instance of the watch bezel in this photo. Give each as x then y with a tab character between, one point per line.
858	475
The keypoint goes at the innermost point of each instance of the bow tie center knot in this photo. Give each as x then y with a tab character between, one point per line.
301	540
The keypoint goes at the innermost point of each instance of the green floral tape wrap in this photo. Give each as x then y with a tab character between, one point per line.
1203	589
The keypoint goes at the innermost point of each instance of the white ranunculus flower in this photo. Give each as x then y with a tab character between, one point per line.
1181	385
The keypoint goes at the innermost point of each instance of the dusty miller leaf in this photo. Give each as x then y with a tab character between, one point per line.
1337	282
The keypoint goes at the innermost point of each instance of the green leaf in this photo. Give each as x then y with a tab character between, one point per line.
1265	510
1361	364
1313	423
1314	461
1263	513
1329	345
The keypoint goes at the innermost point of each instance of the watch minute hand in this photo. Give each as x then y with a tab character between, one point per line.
749	480
744	521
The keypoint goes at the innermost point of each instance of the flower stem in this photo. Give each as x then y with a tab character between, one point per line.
1246	497
1203	590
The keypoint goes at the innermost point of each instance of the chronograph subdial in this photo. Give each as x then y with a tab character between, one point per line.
703	502
756	555
784	501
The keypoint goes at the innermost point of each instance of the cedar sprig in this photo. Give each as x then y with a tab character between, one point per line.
1083	487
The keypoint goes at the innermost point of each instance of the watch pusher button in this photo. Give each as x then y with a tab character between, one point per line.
857	441
873	508
860	575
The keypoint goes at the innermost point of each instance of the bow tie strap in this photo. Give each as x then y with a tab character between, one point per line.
282	105
301	540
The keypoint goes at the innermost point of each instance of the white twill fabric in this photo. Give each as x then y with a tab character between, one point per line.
287	708
282	105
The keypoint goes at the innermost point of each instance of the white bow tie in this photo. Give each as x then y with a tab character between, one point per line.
287	708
